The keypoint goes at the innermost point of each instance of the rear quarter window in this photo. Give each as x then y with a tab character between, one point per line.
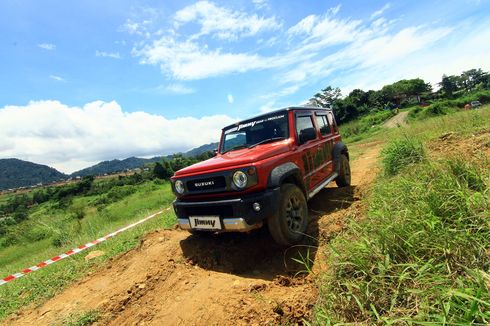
323	125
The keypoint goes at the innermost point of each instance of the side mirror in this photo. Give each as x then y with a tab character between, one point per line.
306	135
215	152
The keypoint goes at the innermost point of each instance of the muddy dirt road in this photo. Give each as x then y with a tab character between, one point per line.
173	278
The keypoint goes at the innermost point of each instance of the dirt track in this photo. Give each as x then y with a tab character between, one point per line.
173	278
397	121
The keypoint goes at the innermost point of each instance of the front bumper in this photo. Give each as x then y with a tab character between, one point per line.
236	214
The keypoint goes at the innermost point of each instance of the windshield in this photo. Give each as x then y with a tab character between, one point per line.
255	131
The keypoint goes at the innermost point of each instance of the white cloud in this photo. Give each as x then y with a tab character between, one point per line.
188	61
230	99
370	49
178	89
261	4
320	31
281	93
47	46
113	55
57	78
268	107
70	138
379	12
223	23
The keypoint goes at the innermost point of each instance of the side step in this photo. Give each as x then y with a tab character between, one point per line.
322	185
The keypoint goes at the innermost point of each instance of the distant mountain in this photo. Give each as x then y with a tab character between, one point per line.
15	173
114	166
201	149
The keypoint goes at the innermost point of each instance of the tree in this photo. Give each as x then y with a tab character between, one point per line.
406	88
449	85
473	77
326	98
163	171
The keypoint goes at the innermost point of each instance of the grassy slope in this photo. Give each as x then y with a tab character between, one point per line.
365	127
65	232
421	253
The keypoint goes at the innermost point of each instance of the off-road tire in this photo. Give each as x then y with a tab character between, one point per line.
343	180
288	225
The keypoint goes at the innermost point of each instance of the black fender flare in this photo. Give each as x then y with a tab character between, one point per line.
338	149
283	171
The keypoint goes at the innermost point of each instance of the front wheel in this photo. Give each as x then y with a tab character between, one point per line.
343	180
288	225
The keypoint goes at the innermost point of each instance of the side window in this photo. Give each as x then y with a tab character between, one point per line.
331	121
321	121
305	129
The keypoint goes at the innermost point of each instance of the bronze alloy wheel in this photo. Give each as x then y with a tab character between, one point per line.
294	213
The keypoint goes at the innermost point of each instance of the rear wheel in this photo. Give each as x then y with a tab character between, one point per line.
288	225
343	180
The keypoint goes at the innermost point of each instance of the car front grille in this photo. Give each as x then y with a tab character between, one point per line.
210	184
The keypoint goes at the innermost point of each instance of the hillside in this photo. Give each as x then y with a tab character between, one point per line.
15	173
201	149
115	166
136	162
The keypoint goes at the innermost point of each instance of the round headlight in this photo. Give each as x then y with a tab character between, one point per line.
179	187
240	179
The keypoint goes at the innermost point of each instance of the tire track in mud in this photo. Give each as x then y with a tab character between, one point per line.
174	278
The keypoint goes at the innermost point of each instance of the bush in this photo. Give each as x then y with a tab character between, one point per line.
436	109
400	153
62	239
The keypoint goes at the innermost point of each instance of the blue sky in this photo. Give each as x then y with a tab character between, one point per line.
86	81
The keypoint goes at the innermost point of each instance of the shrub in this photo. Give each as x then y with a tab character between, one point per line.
61	239
400	153
436	109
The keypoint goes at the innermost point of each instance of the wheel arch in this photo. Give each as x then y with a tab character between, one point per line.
339	149
286	173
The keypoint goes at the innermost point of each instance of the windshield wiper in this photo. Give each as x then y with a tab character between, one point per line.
268	140
235	148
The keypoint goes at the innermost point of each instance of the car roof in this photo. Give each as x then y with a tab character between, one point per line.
286	109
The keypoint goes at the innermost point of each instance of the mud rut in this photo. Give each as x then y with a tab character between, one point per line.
173	278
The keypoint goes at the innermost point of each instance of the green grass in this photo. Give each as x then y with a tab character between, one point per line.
400	153
422	253
82	319
365	127
59	229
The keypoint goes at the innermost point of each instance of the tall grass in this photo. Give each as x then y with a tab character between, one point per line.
400	153
422	255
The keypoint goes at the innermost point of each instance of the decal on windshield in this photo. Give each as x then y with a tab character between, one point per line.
253	123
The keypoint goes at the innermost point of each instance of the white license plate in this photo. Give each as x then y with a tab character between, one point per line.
205	222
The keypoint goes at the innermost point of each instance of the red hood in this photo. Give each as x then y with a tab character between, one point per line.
236	158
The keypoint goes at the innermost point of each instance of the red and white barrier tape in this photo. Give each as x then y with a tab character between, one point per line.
76	250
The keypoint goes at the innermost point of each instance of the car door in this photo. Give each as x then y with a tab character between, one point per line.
308	145
324	154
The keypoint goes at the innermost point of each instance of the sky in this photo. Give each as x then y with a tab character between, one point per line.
86	81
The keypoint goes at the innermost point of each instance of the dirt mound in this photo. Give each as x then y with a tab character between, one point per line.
174	278
451	143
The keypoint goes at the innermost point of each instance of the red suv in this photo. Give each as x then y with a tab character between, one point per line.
265	171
